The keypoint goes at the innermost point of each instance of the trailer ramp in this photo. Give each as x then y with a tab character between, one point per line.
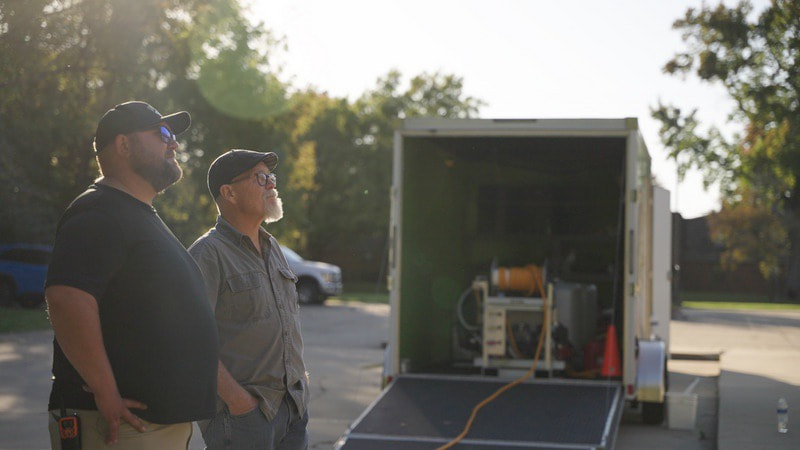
427	411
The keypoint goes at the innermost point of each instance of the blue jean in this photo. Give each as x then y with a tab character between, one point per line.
252	430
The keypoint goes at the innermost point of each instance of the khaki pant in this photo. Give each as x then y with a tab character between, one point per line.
94	431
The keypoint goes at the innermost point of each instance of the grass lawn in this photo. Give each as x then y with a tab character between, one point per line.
18	319
700	296
740	305
364	292
715	300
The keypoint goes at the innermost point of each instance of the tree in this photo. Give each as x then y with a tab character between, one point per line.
758	63
380	112
224	77
67	62
751	232
63	63
344	212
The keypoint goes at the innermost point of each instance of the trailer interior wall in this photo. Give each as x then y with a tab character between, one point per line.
521	200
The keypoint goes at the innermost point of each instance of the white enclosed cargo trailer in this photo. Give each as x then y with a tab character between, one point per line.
522	245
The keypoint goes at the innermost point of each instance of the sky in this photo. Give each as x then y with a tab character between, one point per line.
524	58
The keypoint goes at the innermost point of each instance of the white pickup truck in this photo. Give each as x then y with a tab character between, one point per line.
316	281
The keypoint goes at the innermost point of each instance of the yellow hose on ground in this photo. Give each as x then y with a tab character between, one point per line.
539	283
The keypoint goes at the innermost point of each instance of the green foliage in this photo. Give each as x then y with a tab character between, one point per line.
758	63
341	207
66	62
231	63
751	232
711	154
16	319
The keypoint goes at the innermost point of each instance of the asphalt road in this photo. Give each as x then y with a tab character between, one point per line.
344	353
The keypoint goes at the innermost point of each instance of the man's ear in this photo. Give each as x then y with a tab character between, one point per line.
122	144
227	193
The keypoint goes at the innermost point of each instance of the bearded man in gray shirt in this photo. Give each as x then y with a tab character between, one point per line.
262	381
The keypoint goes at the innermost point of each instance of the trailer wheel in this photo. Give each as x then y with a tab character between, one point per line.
652	412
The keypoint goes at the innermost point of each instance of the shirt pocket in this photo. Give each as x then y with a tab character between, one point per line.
246	301
289	288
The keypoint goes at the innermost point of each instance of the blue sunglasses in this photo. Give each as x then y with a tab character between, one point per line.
167	136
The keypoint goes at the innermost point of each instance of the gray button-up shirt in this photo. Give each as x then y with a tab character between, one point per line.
255	304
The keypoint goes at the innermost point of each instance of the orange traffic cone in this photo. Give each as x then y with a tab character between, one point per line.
611	366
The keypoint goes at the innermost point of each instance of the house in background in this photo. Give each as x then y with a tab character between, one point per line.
700	269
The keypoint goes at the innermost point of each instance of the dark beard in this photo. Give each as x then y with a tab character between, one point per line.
160	176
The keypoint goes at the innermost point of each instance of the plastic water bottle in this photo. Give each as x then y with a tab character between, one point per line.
783	416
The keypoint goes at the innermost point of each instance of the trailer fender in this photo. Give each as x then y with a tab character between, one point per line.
651	371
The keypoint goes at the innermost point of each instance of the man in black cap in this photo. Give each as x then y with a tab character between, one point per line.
262	380
133	329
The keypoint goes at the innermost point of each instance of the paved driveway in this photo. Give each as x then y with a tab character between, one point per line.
344	353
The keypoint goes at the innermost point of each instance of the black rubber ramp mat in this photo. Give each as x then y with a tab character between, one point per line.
426	412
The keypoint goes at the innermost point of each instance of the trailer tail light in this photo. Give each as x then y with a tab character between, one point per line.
630	390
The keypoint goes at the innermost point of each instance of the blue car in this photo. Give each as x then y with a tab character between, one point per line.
23	270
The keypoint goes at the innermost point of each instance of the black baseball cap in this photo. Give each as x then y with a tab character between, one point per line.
135	116
231	164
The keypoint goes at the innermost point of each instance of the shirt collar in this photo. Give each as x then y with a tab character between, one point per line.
108	188
227	230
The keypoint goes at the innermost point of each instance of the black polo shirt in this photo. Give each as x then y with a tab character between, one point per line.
158	329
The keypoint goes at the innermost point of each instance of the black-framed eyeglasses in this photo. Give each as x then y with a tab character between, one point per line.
166	135
261	178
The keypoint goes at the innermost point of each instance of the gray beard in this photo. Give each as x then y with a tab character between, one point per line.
275	211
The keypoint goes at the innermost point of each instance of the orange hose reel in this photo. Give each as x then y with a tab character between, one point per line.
520	279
